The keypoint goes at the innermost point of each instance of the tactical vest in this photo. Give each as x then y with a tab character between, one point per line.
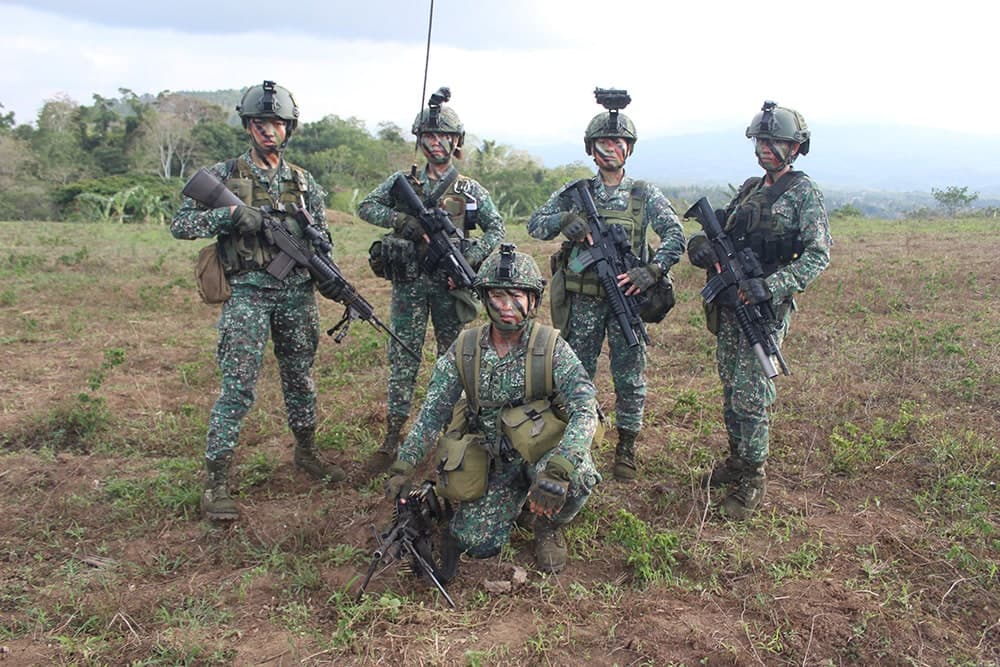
751	224
456	200
631	220
251	252
539	381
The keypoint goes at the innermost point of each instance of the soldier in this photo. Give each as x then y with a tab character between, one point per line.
781	217
513	371
415	293
260	305
579	307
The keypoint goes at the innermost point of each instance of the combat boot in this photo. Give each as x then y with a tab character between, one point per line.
216	504
625	469
748	496
386	454
306	460
550	546
723	474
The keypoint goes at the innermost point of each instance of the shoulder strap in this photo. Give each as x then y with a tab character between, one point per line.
469	357
782	185
637	200
442	187
538	376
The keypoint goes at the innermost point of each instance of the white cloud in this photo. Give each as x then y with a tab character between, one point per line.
688	67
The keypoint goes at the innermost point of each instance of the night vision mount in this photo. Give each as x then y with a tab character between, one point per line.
439	97
767	122
614	100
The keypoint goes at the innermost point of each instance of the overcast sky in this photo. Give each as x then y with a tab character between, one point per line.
523	71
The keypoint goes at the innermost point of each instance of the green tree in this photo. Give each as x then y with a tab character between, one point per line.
954	199
6	121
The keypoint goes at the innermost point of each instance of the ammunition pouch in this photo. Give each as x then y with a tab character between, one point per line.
534	428
579	283
463	462
210	275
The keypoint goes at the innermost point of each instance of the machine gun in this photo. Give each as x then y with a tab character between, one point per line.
206	189
758	321
409	539
610	255
441	252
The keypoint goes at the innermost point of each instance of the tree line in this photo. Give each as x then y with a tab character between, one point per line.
125	159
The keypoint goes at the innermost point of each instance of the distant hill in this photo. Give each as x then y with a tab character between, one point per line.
893	167
227	99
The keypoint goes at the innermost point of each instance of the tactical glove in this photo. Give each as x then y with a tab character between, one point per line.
754	290
548	493
701	253
407	227
247	220
573	227
333	289
399	482
644	277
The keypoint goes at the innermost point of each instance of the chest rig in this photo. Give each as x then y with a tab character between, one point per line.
631	222
751	223
251	252
454	195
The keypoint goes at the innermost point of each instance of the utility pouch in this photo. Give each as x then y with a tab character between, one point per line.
659	300
559	299
533	428
399	259
466	304
712	315
376	260
210	276
463	463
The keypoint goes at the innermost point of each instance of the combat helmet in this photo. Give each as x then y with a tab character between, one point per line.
269	100
509	269
439	118
610	123
781	123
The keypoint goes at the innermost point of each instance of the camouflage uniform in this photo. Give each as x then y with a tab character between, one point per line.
260	306
481	527
590	316
747	391
413	299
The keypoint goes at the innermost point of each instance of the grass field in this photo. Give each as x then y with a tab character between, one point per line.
878	542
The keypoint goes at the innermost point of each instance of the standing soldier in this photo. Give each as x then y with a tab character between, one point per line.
260	305
397	257
780	217
579	307
522	434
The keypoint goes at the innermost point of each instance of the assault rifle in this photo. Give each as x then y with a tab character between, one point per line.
611	255
409	539
441	252
757	322
206	189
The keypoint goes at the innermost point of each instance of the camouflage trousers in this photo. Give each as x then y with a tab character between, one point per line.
252	314
747	392
411	304
590	318
483	526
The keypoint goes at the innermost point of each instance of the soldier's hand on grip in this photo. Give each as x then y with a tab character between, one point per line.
399	482
573	227
754	290
247	220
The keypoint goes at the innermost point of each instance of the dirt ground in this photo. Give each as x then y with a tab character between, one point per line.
877	542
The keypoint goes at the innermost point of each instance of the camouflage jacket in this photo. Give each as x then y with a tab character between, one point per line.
501	381
193	221
659	214
378	207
